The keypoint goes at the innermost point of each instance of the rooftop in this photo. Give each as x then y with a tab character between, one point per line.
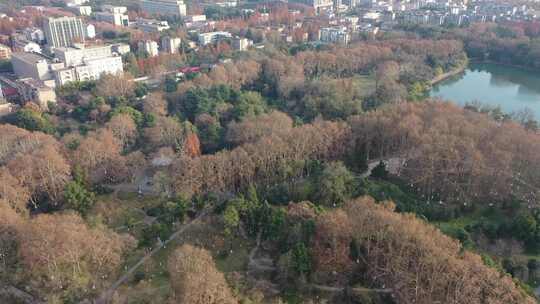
30	57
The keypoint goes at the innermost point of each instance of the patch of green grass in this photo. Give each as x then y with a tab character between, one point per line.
366	84
458	223
384	190
237	259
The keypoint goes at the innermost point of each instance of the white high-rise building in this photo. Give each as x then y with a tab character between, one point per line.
64	31
164	7
170	45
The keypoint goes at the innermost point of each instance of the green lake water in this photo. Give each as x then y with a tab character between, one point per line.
511	88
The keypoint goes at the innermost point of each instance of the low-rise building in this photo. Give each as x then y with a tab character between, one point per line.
227	3
77	55
90	31
5	52
91	69
81	10
113	18
151	25
114	9
149	46
197	21
337	34
33	90
86	63
372	17
9	91
34	34
120	48
170	45
164	7
213	37
241	44
319	6
195	18
5	106
23	45
34	65
75	2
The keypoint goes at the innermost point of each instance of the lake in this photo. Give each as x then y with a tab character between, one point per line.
511	88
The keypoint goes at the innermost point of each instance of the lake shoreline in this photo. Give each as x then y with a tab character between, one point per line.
510	88
517	66
447	75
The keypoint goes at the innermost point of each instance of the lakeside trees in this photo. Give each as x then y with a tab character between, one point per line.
452	154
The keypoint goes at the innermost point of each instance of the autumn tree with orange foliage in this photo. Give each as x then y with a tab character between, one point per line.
452	153
99	156
61	254
110	86
195	279
421	265
264	161
250	129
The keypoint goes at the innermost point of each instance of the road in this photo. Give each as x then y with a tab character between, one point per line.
355	289
107	294
393	165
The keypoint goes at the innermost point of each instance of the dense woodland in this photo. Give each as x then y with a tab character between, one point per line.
279	166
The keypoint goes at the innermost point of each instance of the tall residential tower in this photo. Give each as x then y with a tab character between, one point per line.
64	31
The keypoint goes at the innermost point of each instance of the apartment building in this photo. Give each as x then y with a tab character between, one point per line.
151	25
117	19
164	7
241	44
91	69
213	37
86	63
170	45
77	55
64	31
149	46
337	34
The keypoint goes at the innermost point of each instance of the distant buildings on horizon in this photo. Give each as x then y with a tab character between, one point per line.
164	7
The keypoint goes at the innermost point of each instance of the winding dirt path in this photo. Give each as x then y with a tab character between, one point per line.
107	294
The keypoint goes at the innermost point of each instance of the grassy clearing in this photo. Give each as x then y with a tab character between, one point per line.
366	84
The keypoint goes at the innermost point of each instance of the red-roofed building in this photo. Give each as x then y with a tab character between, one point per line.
9	92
